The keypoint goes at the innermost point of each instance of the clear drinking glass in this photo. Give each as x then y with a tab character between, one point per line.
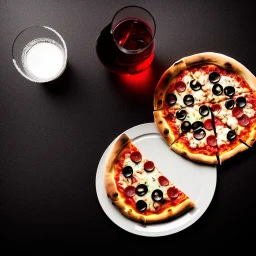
39	53
127	45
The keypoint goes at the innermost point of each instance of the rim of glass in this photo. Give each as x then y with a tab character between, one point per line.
65	54
153	34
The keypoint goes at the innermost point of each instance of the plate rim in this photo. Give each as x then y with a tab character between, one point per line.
151	128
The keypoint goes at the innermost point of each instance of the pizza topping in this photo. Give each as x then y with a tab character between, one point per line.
231	135
217	89
188	100
127	171
237	112
136	156
129	191
186	126
199	134
211	141
149	166
204	110
229	104
229	91
171	99
180	86
157	195
173	192
216	108
214	77
163	181
141	206
197	125
243	120
208	124
195	85
141	189
181	115
241	102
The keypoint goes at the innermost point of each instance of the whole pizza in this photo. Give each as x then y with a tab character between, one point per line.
205	107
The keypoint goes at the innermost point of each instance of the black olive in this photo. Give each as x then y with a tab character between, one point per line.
217	89
157	195
186	126
171	99
181	115
229	104
199	134
229	91
197	125
127	171
204	110
195	85
231	135
141	206
241	102
141	190
188	100
214	77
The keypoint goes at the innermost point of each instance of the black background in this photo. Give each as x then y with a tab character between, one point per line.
53	136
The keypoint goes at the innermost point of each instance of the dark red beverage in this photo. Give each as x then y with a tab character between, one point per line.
129	49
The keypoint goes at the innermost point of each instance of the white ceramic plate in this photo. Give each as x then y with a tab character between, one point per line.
196	180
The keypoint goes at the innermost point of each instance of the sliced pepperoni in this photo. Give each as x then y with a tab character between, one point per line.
173	192
129	191
211	141
208	124
149	166
244	120
134	180
216	108
136	156
163	181
180	86
237	112
217	121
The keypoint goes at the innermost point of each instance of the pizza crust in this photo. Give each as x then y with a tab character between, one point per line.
236	150
163	128
179	149
110	184
167	214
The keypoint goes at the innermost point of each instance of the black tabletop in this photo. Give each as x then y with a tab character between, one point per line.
53	136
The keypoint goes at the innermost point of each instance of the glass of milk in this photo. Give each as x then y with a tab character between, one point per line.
39	53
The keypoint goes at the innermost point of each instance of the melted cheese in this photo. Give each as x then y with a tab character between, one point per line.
150	179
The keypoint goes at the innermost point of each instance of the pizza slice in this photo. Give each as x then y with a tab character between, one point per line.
139	190
173	123
229	143
199	145
239	114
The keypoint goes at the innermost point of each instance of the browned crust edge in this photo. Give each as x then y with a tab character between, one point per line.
236	150
163	128
211	160
167	214
252	136
110	185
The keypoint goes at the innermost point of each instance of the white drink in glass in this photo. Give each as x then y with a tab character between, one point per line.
43	59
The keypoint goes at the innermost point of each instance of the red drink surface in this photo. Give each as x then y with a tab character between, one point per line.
131	35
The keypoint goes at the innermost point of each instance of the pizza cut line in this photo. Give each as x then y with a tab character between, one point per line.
139	190
205	107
